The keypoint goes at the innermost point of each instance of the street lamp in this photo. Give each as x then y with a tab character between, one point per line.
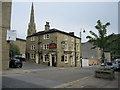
82	30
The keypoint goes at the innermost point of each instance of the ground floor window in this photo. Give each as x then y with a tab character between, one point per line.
72	60
32	56
62	58
66	58
46	57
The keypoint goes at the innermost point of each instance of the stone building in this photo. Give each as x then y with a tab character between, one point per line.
93	55
5	18
21	43
52	47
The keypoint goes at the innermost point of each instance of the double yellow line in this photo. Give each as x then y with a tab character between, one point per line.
69	83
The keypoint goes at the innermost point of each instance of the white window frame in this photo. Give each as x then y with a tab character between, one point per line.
32	56
66	46
32	38
66	56
46	36
77	40
72	39
32	47
78	59
72	46
45	57
66	37
45	46
72	59
77	45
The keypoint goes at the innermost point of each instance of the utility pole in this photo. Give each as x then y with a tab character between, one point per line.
81	44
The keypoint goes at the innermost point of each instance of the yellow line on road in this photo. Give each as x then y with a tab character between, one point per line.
72	82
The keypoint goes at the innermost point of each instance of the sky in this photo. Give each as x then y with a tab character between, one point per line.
65	16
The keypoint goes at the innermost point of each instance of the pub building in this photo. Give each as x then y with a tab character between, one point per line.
52	47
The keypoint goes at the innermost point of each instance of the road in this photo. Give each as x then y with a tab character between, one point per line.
46	78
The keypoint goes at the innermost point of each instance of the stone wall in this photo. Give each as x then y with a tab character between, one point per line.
6	18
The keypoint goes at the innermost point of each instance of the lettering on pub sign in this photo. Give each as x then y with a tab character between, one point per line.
52	46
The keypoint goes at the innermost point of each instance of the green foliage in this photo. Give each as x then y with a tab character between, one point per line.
14	50
99	40
114	45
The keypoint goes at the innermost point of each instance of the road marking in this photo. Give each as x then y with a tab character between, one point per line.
69	83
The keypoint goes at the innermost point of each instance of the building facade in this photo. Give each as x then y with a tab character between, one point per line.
5	18
21	43
93	55
52	47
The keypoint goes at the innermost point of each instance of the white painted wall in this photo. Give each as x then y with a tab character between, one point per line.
85	62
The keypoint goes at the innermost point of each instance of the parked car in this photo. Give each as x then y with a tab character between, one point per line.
115	66
21	58
15	63
102	64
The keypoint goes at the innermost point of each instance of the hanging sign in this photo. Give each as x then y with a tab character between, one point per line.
11	35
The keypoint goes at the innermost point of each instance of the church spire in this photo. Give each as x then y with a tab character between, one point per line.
32	14
31	27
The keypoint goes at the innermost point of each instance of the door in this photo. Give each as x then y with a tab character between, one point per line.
71	60
53	60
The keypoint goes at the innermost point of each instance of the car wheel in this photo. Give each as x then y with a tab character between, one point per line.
20	66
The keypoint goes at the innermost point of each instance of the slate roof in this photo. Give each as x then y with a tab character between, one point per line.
51	31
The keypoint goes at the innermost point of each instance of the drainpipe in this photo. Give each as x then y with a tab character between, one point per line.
75	52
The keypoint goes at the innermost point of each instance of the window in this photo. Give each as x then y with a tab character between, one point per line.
66	37
72	46
32	56
66	58
46	46
66	46
46	57
77	57
46	36
72	61
77	40
77	47
32	39
33	47
62	58
72	39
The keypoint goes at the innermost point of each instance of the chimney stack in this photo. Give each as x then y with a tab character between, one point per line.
47	26
71	33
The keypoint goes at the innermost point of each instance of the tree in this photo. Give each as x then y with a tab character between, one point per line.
114	46
101	39
14	50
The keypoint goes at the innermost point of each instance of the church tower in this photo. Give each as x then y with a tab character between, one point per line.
31	27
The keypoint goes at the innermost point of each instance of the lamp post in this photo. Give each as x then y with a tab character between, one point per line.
82	30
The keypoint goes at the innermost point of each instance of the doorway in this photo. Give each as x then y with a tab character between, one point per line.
53	60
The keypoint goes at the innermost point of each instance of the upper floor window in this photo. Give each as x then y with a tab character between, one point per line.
72	46
32	47
64	45
66	37
46	46
77	47
77	40
46	36
72	39
32	38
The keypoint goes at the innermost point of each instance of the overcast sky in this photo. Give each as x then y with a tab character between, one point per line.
65	16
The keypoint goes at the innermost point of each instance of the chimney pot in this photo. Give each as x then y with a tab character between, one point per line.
47	26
